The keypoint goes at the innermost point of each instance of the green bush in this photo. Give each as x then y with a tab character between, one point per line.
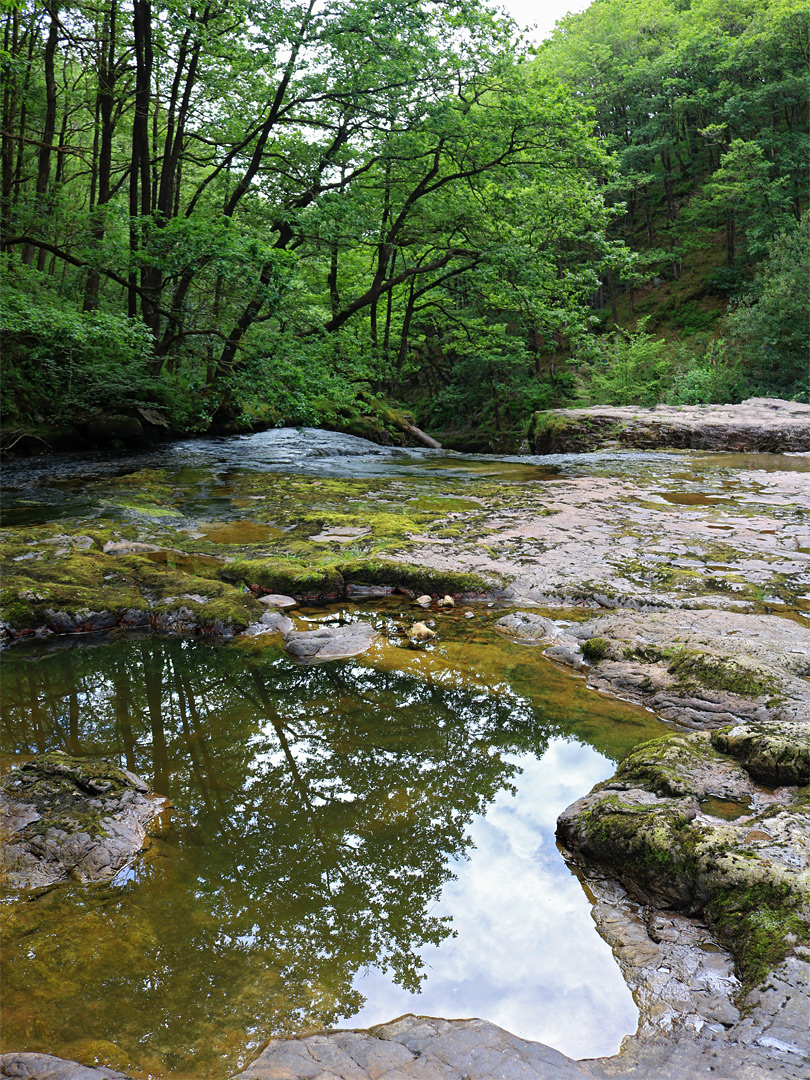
714	378
624	369
61	365
770	330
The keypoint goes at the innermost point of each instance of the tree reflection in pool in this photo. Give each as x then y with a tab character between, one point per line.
319	812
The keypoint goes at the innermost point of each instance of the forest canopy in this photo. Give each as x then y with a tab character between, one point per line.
269	212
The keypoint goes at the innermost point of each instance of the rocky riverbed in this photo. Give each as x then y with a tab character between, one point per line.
679	581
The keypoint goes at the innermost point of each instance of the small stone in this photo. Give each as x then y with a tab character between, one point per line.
469	614
424	601
447	602
420	632
278	600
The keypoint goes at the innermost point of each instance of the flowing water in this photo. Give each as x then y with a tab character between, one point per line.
347	842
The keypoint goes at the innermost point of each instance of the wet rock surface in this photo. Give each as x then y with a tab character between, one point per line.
702	669
330	642
527	627
47	1067
686	554
65	818
758	424
685	828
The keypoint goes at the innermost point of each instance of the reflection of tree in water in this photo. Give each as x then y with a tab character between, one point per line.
319	811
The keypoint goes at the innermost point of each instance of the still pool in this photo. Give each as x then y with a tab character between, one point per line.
347	842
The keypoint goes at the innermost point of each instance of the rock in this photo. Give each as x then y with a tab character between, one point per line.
129	547
469	614
29	1066
774	754
278	600
526	627
414	1048
71	818
115	428
654	827
272	622
369	592
758	424
420	632
567	652
330	642
447	602
424	601
702	668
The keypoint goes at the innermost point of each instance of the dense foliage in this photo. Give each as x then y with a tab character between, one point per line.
273	212
704	107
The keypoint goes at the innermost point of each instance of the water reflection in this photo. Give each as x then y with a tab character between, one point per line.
319	814
524	954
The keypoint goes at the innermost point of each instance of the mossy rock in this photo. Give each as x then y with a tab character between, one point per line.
285	576
409	576
773	754
749	877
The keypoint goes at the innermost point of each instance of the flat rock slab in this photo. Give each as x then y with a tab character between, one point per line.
330	642
702	668
64	818
278	600
758	424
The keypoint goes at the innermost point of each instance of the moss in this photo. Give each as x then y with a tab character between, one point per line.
595	649
719	673
761	924
330	579
52	783
418	578
285	576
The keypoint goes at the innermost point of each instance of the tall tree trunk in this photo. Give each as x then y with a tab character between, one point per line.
11	42
105	127
48	130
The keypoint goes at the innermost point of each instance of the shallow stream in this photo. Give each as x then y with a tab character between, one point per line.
347	842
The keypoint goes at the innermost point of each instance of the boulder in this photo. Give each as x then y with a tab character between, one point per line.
684	826
278	600
330	642
272	622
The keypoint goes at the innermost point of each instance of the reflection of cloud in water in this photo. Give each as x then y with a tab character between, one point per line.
538	969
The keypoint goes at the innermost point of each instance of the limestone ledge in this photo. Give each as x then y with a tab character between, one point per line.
754	425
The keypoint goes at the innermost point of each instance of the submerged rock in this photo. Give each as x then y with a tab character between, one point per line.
330	642
64	818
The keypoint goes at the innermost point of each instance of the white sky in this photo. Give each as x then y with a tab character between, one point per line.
542	13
